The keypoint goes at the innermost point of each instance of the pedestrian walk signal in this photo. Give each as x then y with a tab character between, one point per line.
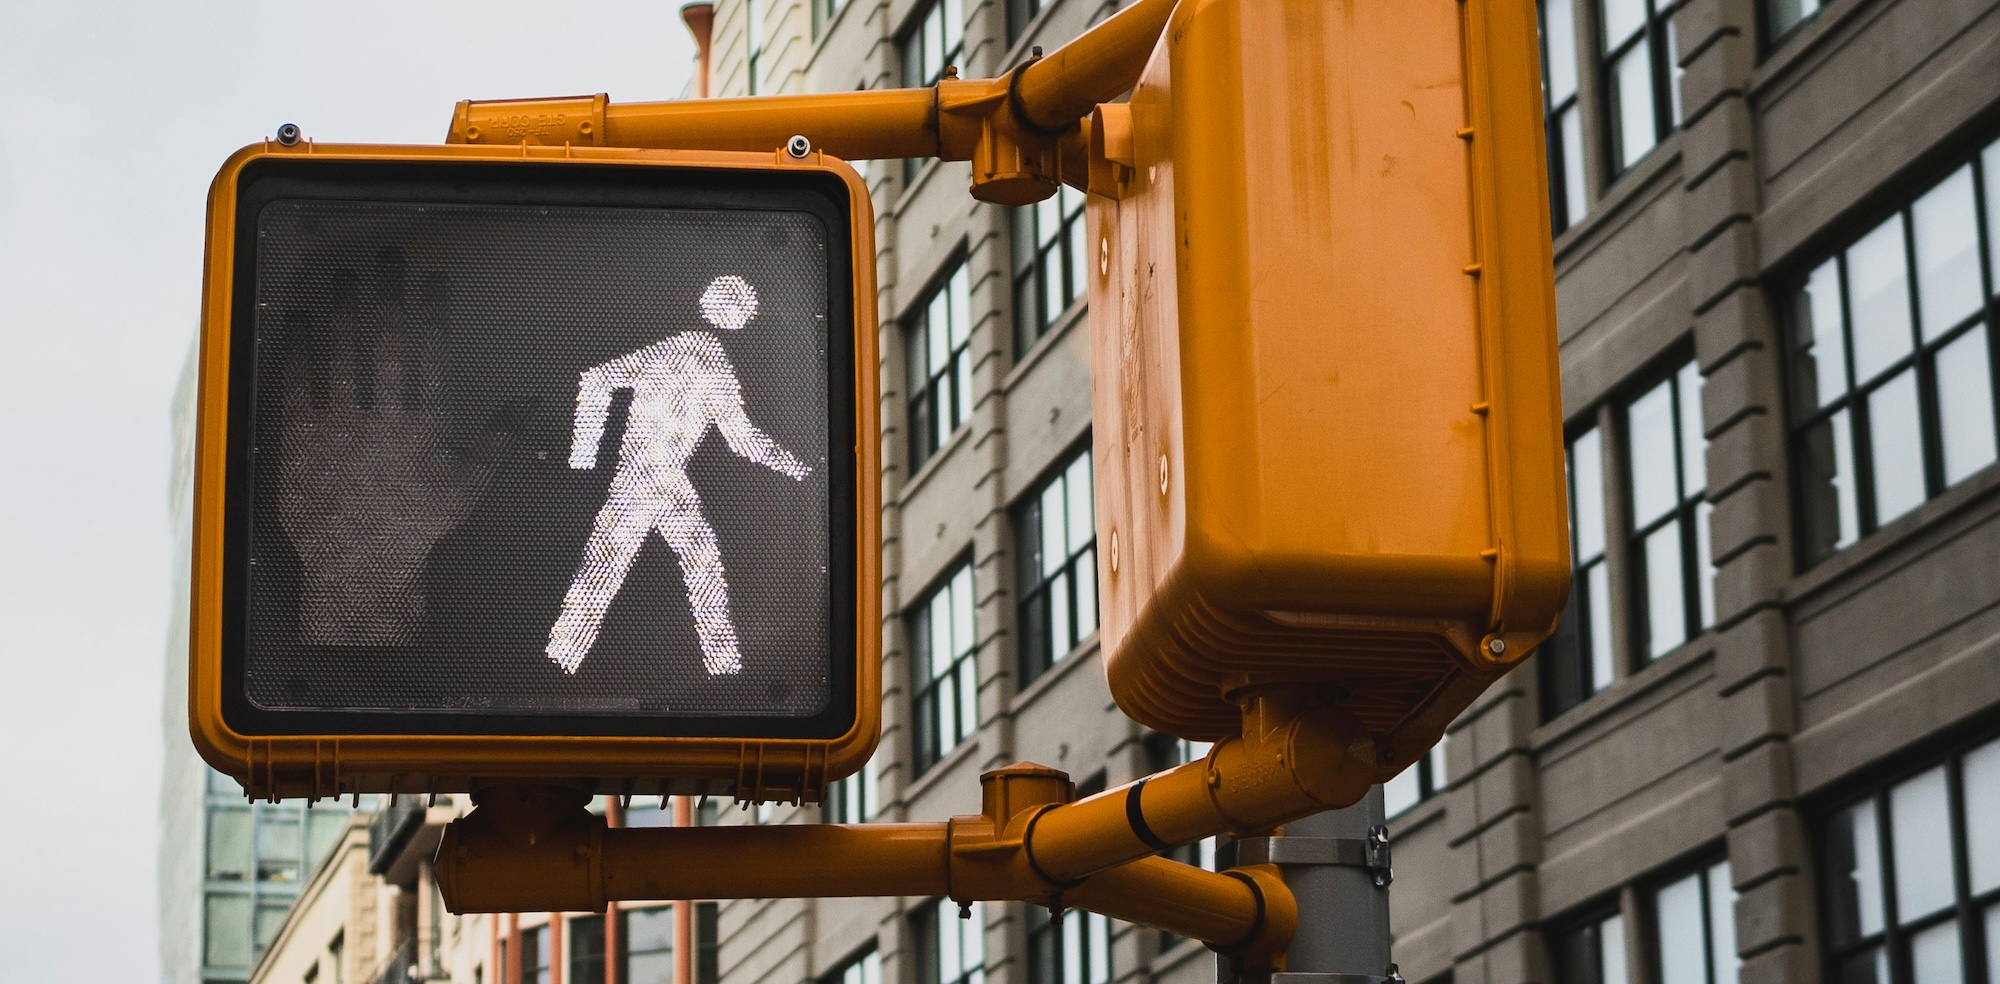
504	446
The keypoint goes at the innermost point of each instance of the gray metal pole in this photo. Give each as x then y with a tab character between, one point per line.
1337	866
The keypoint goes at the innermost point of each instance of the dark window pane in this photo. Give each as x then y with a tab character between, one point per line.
1853	875
1833	517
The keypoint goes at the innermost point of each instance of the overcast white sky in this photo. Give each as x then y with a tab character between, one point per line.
113	119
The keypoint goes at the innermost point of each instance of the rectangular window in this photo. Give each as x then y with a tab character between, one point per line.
1576	661
1782	16
1639	77
1057	527
936	39
1892	363
1667	458
865	968
1592	951
648	941
950	943
855	798
707	943
1422	780
1911	876
535	955
942	644
1564	121
1072	948
584	953
1050	264
1020	13
940	372
1694	928
823	13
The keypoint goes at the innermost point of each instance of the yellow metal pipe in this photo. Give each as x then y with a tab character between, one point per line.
1098	66
1293	760
780	861
1242	910
863	125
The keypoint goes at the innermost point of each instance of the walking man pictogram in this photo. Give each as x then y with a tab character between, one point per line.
680	387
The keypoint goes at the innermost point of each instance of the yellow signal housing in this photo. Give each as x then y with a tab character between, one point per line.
1328	420
316	746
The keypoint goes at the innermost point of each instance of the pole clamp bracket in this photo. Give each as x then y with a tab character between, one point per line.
1391	976
1371	852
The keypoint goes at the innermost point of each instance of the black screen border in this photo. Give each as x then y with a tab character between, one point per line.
527	183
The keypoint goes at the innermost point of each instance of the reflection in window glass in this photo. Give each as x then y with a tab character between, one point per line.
1593	952
1895	439
1946	227
1892	376
649	945
226	923
1897	884
1879	296
1920	824
1965	406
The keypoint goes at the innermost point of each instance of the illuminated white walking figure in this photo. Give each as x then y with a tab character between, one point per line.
679	387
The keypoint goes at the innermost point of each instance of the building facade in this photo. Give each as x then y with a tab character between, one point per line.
1761	747
371	913
229	869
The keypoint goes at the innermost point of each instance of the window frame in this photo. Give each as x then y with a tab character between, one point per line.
1430	775
623	959
1038	651
1699	871
1689	513
922	401
1553	113
855	799
926	739
927	922
1922	357
1656	34
1896	935
1037	255
1573	645
1049	951
910	67
1592	917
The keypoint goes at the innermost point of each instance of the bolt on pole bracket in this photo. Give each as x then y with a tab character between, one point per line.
1370	853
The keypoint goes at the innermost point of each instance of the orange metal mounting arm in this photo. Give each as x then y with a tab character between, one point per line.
1018	130
536	848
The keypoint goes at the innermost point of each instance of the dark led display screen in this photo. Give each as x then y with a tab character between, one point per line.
526	449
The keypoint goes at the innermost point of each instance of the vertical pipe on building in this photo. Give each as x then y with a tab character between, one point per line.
614	968
700	20
684	806
510	964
